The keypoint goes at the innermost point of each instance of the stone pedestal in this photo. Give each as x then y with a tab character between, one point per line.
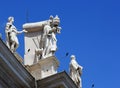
44	68
59	80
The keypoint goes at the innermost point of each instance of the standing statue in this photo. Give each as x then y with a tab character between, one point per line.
49	36
75	71
11	35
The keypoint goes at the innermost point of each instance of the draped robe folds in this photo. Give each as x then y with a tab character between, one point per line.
75	72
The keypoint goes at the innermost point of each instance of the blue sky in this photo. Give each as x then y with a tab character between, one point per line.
90	30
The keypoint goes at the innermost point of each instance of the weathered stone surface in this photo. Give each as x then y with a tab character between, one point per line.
20	59
44	68
60	80
12	72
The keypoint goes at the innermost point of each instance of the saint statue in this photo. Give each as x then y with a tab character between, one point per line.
11	35
75	71
49	36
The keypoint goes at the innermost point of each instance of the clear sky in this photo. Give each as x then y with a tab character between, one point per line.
90	30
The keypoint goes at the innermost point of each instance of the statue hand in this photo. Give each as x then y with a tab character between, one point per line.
59	29
25	31
54	28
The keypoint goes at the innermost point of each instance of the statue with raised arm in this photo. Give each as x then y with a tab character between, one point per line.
11	35
75	71
49	36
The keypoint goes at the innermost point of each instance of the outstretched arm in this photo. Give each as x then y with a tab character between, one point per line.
19	32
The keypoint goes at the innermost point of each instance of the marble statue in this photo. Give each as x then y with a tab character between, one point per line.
40	40
75	71
11	35
49	36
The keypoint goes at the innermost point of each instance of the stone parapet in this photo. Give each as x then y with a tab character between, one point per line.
12	73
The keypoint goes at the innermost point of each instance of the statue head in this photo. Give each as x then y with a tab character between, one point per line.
56	21
51	17
51	20
10	19
72	57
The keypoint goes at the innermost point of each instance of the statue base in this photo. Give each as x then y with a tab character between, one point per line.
44	67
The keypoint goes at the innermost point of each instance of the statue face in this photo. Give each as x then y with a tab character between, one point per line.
72	57
56	22
11	19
